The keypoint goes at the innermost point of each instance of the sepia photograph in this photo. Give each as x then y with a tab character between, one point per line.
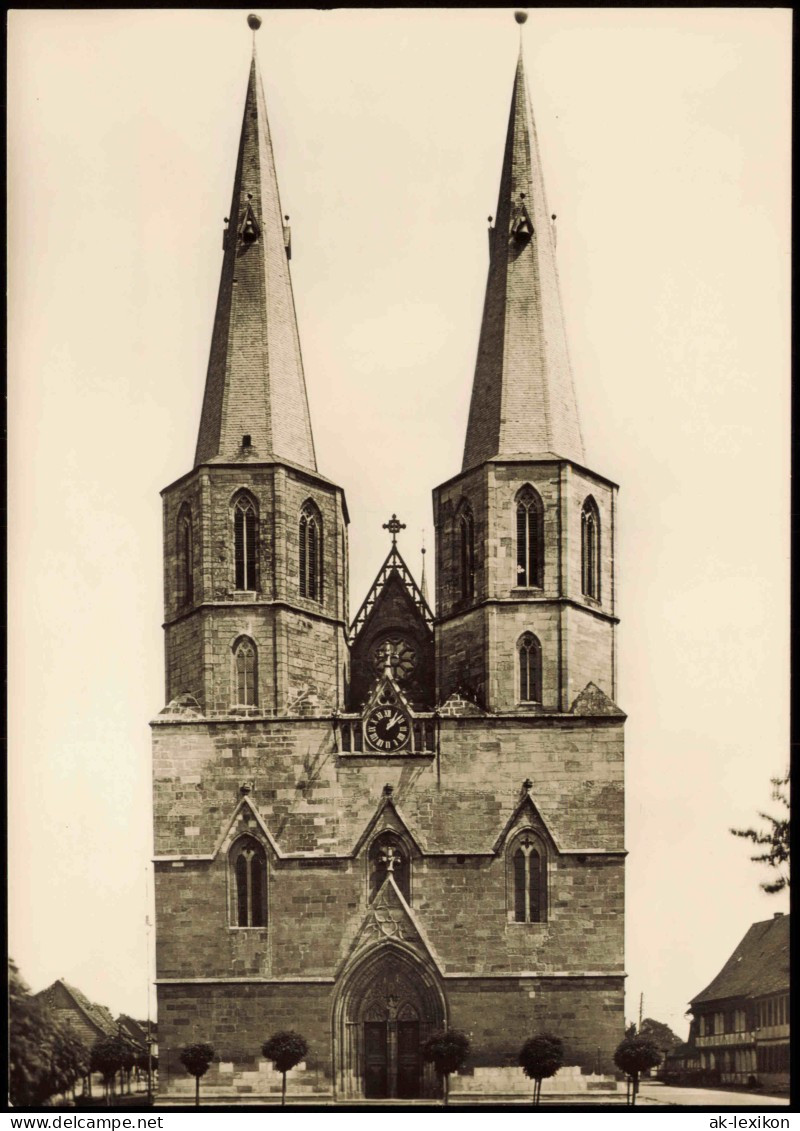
399	558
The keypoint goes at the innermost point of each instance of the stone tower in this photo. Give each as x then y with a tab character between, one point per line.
366	832
255	601
525	532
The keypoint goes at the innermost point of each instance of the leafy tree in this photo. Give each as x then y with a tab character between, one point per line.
775	837
196	1059
285	1050
660	1034
634	1055
447	1049
107	1057
45	1055
541	1057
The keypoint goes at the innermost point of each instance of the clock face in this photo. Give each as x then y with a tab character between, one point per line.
387	728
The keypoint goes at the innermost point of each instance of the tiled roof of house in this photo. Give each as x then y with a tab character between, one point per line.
759	965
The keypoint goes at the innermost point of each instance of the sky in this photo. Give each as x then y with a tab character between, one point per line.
665	141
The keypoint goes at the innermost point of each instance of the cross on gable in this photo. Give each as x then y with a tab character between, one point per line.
389	857
394	526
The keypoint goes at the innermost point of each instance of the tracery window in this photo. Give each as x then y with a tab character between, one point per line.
245	673
466	551
185	556
245	539
310	537
529	651
388	855
248	883
590	549
530	538
527	879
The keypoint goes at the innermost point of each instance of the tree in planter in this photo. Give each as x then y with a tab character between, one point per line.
285	1050
447	1049
541	1057
196	1059
634	1055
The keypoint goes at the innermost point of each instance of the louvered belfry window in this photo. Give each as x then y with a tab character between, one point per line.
244	537
530	669
530	547
466	534
590	549
249	882
310	540
245	673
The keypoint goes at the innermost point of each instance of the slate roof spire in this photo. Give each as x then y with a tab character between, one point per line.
523	398
255	405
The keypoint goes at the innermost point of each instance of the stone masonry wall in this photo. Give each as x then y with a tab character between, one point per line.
301	648
477	642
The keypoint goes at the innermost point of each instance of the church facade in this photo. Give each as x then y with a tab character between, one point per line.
370	829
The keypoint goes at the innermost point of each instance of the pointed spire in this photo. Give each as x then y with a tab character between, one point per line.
423	582
255	404
523	399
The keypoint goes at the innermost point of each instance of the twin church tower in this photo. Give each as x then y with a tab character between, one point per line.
368	830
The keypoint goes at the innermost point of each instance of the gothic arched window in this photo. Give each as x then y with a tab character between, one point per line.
245	539
310	552
590	549
527	879
530	669
245	673
248	883
530	538
388	855
185	557
465	524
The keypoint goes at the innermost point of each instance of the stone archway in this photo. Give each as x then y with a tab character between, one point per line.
386	1007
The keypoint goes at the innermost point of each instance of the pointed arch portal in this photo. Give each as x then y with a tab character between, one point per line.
386	1008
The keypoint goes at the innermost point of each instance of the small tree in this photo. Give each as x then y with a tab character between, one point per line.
106	1057
660	1034
634	1055
775	838
196	1059
447	1049
285	1050
541	1057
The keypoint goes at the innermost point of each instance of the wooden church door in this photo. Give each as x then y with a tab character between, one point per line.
409	1060
376	1060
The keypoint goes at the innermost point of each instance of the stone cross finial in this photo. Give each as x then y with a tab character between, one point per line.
394	526
389	857
527	785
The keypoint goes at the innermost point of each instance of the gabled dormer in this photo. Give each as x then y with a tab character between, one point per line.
394	628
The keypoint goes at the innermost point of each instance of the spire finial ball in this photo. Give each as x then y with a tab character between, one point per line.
253	22
520	17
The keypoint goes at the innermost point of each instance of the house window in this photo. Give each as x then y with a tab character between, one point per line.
388	855
310	536
245	673
530	541
530	669
248	873
466	552
185	557
527	879
590	549
245	529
